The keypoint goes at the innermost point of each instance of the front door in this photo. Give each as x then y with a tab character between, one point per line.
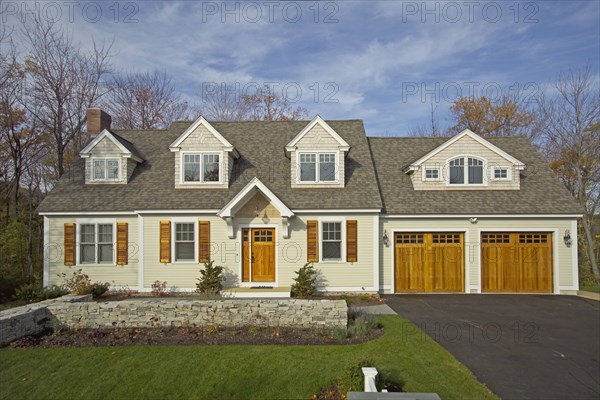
258	250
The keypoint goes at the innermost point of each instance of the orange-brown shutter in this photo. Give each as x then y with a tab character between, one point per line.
312	241
122	243
69	241
204	241
351	243
165	241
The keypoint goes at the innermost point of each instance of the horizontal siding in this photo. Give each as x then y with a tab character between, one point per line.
122	275
291	254
472	242
465	146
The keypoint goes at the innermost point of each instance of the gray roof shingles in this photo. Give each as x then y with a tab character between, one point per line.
540	192
262	154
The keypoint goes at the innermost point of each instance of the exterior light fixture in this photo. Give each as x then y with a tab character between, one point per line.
386	239
567	238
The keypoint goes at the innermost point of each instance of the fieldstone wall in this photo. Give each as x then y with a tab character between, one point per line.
32	318
327	314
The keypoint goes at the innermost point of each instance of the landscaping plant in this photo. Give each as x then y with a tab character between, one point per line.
305	285
159	288
80	284
210	280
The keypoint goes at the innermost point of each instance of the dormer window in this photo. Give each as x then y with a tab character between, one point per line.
201	168
466	170
317	167
501	173
106	169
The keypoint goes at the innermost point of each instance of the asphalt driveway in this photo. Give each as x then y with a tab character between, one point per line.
520	346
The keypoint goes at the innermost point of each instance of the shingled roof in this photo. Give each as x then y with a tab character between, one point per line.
262	154
540	193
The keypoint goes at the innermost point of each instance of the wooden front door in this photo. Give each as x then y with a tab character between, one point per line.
258	255
518	262
429	262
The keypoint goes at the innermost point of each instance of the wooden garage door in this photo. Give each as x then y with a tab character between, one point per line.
429	262
518	262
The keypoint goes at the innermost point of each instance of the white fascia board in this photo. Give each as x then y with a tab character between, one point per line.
228	147
248	191
339	211
85	153
416	164
414	216
343	145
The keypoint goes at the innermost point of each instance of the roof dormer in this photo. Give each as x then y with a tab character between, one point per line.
466	161
109	159
317	156
203	157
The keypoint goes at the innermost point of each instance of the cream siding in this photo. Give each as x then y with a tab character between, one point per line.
319	140
466	146
106	148
202	140
565	279
290	253
116	275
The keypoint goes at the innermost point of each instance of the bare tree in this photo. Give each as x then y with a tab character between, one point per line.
571	141
144	100
433	130
64	80
224	104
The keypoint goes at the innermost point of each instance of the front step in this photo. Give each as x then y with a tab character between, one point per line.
282	292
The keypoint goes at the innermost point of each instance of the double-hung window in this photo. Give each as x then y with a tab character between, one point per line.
332	241
106	169
201	168
317	167
96	244
185	242
466	170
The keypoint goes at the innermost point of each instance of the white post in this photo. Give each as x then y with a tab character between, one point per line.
370	374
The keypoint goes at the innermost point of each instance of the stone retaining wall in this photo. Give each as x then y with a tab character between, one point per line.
328	314
32	318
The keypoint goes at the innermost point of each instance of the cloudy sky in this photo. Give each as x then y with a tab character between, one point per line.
383	62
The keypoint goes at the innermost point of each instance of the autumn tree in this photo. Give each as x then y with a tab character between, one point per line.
505	117
63	81
144	100
571	140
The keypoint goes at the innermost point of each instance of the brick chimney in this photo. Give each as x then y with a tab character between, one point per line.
97	120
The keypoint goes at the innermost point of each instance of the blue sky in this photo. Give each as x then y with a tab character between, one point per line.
383	62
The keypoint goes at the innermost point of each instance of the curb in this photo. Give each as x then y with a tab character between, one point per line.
588	295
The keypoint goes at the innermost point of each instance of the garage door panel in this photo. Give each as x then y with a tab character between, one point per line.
516	262
409	271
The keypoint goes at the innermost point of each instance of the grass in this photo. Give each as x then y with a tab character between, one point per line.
594	289
236	372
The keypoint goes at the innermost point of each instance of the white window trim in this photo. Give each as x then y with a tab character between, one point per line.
201	154
342	221
485	180
436	168
96	222
508	173
175	221
317	154
105	159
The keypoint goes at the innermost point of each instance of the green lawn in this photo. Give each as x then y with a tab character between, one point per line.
240	372
594	289
12	304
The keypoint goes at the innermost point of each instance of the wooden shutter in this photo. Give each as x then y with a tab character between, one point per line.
69	242
312	241
203	241
122	243
165	241
351	241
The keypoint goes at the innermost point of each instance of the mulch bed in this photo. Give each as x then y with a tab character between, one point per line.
186	336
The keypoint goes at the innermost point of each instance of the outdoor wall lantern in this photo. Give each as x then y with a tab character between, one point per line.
567	238
386	239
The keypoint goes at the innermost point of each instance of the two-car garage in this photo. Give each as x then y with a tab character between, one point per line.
511	262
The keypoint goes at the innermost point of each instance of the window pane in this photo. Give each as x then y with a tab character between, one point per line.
191	168
86	253
87	233
327	167
475	171
105	253
431	173
184	251
332	250
308	168
456	175
112	169
500	173
99	169
211	168
105	233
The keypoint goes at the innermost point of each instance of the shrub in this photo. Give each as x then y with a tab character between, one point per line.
360	323
80	284
97	289
305	281
54	291
159	288
210	281
29	292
